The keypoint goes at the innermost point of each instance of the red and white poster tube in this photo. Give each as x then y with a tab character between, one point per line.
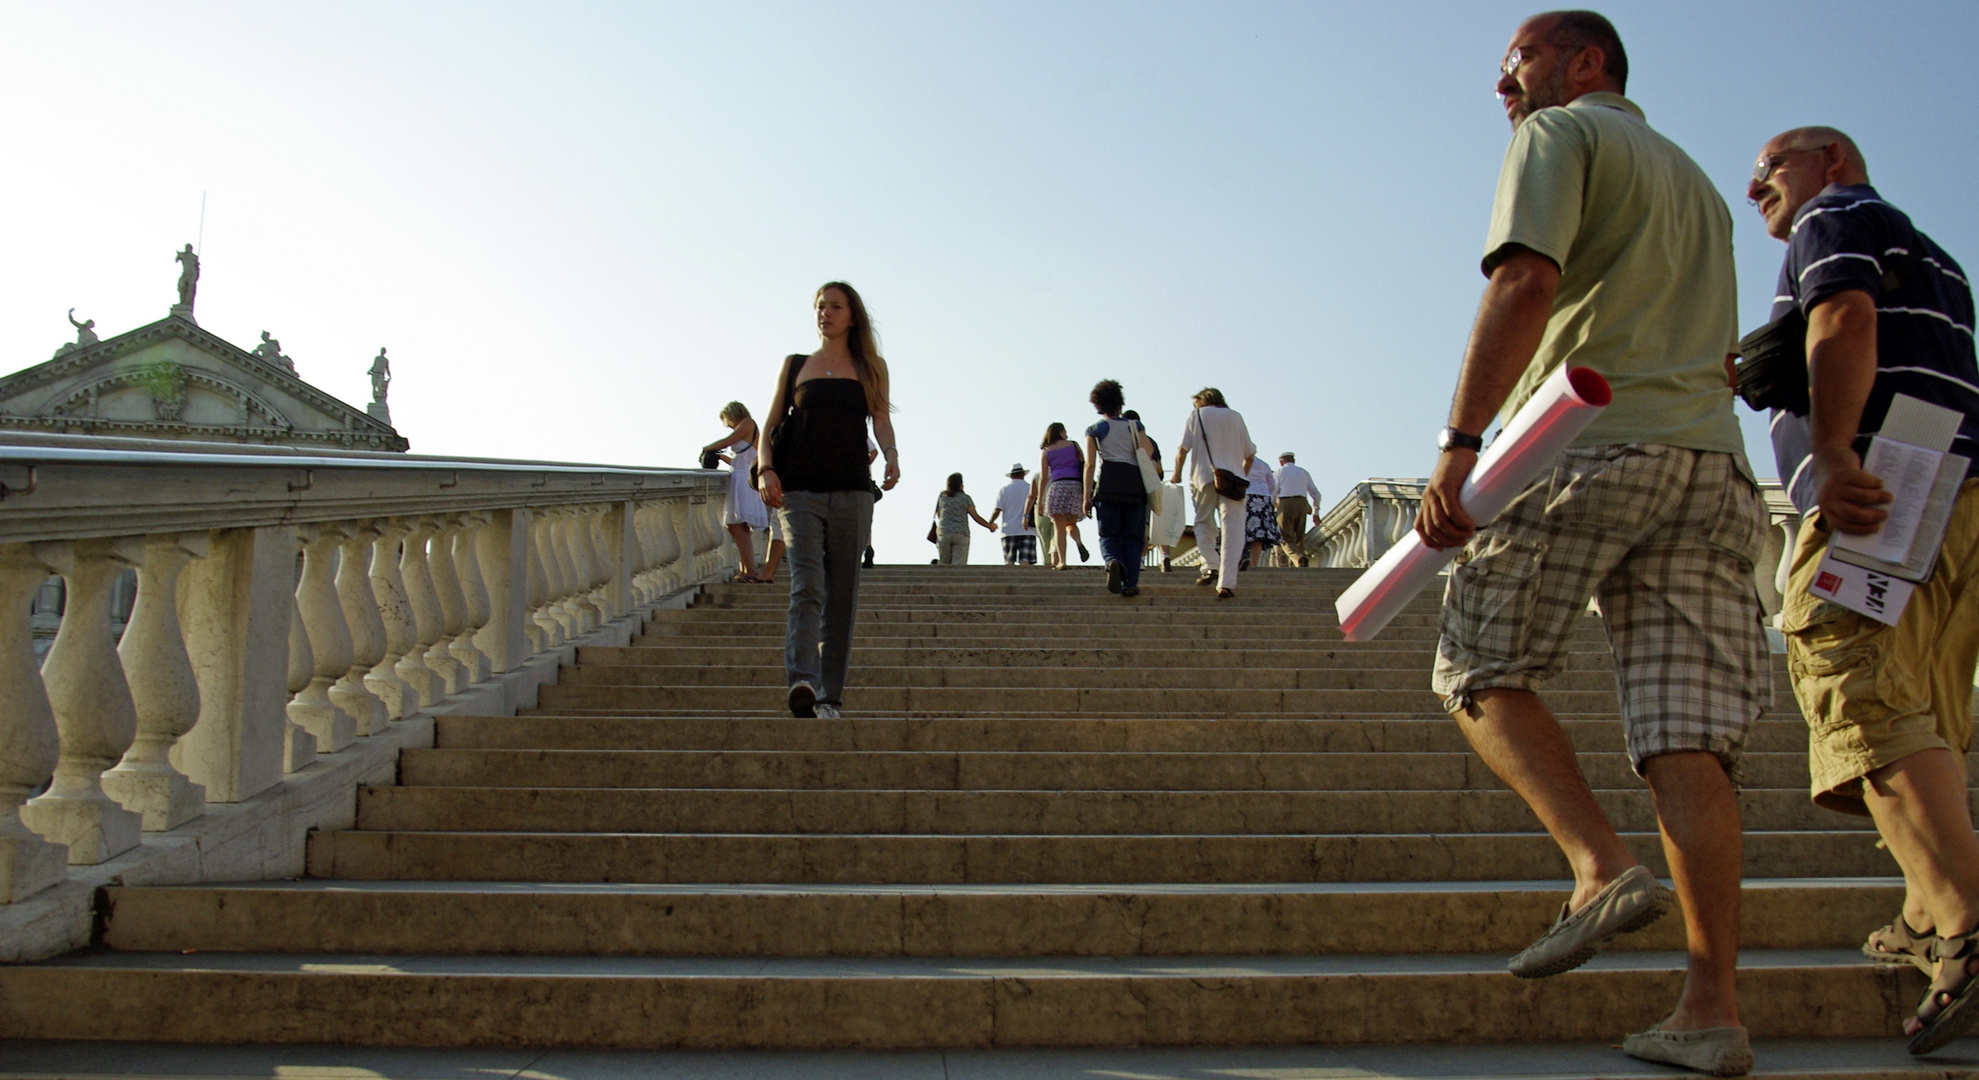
1558	411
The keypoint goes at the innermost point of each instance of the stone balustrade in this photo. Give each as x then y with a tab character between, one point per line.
290	607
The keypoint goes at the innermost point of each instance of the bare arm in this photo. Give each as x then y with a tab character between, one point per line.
1841	370
883	434
1181	455
1092	456
1511	320
766	477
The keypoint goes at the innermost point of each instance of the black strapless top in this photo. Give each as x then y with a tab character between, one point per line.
827	450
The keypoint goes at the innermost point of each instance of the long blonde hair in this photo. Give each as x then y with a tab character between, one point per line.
867	363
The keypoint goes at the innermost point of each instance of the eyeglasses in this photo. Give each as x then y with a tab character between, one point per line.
1520	54
1768	164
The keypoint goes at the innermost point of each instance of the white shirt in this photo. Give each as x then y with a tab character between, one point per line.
1294	482
1261	480
1229	442
1011	502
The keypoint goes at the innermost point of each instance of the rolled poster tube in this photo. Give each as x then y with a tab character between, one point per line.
1558	411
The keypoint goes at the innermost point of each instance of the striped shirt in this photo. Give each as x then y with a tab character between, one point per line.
1845	238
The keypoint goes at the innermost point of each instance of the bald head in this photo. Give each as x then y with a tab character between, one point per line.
1854	169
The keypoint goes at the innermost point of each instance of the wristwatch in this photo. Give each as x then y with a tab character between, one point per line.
1452	439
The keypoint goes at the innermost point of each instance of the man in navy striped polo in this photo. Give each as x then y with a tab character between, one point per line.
1888	707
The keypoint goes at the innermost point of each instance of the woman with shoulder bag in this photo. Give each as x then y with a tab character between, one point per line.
742	508
1119	495
953	509
814	471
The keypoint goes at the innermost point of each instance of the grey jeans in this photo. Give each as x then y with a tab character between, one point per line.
826	533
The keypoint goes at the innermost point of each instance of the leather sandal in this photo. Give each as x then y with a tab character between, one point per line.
1897	944
1950	1007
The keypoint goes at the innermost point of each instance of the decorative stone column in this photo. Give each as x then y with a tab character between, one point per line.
299	752
414	569
538	624
466	560
395	617
353	691
316	707
502	556
453	615
162	687
556	576
29	744
92	704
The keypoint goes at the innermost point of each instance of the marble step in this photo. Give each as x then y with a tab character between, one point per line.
911	1002
1121	618
1220	676
1778	1059
1015	859
990	770
467	918
965	813
1022	652
1428	734
992	695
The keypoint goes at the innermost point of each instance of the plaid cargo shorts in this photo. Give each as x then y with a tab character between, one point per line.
1664	538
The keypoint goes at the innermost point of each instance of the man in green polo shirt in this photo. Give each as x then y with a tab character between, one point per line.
1610	249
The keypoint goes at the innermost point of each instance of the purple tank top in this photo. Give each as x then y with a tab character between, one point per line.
1064	462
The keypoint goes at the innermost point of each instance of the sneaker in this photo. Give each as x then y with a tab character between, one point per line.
827	712
803	699
1712	1051
1627	904
1115	574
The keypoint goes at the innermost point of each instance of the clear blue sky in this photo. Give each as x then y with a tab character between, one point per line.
581	228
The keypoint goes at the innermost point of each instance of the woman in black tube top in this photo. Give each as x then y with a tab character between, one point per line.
814	471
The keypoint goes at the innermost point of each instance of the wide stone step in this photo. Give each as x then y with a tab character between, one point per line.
955	921
1217	677
1024	652
1011	859
972	771
864	695
1429	734
1226	617
1174	813
909	1002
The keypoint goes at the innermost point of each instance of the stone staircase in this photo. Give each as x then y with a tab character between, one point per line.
1051	818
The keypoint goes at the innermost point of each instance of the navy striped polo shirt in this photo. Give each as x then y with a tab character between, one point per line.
1847	237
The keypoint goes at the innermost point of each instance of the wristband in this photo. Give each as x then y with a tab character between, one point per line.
1452	439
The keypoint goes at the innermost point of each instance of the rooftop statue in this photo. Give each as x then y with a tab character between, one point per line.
188	277
85	330
271	351
381	376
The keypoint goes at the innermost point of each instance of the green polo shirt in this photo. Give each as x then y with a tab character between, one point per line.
1648	295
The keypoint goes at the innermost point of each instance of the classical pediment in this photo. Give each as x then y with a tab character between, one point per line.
173	380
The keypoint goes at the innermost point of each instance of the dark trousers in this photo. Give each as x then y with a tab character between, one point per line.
1123	533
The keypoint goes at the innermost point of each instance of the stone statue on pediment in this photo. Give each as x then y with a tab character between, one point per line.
381	377
188	276
85	330
271	351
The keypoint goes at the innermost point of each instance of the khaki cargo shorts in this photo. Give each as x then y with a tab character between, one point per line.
1664	538
1875	694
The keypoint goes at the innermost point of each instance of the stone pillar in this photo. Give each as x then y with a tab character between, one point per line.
163	689
503	557
466	558
317	707
236	608
301	749
426	618
92	703
353	691
29	744
395	616
453	616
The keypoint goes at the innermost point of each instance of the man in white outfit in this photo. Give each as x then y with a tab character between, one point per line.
1298	499
1020	540
1216	436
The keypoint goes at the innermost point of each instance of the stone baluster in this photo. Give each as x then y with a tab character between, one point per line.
29	742
535	588
501	547
427	619
590	566
92	704
319	707
300	751
453	608
654	541
163	689
395	617
548	632
569	602
556	569
466	561
666	524
353	691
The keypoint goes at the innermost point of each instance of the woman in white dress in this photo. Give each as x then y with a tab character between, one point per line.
742	510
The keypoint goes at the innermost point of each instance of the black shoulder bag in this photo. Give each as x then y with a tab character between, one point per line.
784	434
1228	484
1772	368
